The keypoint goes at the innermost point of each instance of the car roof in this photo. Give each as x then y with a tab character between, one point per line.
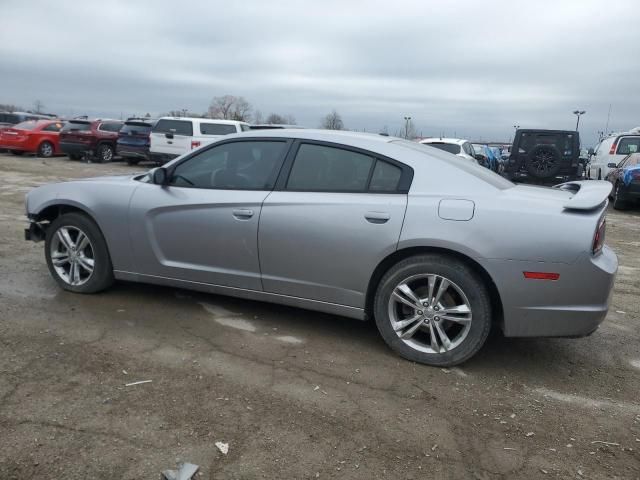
207	120
336	136
455	141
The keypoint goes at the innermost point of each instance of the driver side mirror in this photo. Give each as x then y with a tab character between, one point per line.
591	151
612	165
160	176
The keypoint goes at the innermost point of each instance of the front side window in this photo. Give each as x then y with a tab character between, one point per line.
176	127
217	129
323	168
251	165
628	145
54	127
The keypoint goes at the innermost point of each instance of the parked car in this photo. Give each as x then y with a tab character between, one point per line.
611	150
94	138
271	126
544	156
8	119
134	140
175	136
354	224
457	146
625	178
33	136
480	154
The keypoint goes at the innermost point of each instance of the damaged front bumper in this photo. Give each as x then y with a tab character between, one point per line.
34	232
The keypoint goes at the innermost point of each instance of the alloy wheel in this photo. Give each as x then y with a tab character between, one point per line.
430	313
107	154
72	255
46	149
544	162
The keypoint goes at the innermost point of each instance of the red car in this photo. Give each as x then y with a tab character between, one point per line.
94	138
33	136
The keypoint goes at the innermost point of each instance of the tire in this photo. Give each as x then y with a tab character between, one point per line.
618	203
544	161
18	153
465	289
46	149
599	174
105	153
94	254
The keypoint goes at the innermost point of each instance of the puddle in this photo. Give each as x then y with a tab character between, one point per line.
227	318
289	339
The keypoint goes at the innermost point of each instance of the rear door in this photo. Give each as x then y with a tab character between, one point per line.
171	136
334	216
203	226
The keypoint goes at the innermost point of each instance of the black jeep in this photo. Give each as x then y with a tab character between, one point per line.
544	156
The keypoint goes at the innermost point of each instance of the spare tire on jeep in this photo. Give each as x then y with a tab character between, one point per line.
543	161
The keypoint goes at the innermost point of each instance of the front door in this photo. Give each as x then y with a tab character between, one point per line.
203	226
323	233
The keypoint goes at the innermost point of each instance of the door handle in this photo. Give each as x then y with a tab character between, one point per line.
242	213
377	217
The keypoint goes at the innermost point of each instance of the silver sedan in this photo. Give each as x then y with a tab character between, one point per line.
434	248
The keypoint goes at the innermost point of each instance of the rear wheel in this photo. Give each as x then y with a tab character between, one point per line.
45	149
433	309
105	153
77	254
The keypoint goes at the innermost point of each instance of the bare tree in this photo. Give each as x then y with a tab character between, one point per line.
277	119
38	106
333	121
230	107
7	107
257	117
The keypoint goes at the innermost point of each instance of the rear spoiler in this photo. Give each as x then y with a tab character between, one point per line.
587	195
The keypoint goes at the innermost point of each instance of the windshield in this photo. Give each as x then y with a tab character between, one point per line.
447	147
135	128
470	167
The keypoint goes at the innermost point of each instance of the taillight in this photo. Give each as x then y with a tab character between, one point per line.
194	144
613	147
598	238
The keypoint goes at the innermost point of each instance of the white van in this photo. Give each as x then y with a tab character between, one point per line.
611	150
175	136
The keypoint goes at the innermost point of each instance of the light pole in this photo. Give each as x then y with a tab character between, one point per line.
577	113
406	127
516	127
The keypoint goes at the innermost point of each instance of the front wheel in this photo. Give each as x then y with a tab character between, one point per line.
618	203
77	254
433	309
45	150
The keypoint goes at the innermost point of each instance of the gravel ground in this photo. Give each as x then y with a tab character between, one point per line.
295	394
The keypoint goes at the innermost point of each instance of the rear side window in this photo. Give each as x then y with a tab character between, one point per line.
245	128
323	168
76	127
628	145
177	127
385	177
217	129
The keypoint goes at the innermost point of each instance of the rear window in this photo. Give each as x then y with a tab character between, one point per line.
110	127
628	145
563	142
28	125
447	147
177	127
217	129
76	127
472	168
136	128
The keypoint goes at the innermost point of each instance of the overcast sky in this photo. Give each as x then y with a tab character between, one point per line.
470	68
